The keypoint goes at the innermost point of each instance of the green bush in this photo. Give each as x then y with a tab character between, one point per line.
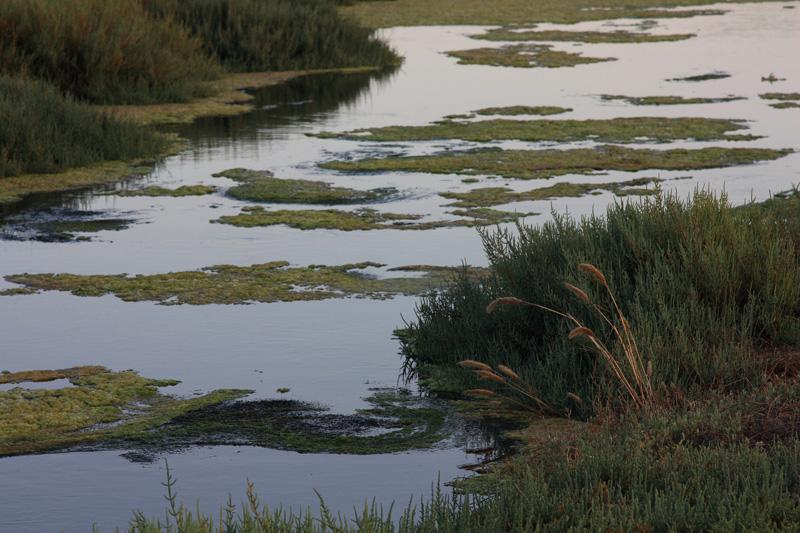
704	286
261	35
102	51
43	131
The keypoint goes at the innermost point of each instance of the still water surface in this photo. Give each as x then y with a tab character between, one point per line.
333	351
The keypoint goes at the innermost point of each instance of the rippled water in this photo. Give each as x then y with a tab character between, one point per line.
334	351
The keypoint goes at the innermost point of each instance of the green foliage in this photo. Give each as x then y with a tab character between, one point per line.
43	131
703	285
102	51
257	35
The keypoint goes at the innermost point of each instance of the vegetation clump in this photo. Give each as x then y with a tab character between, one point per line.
490	196
523	110
780	96
102	51
716	75
262	186
619	36
785	105
523	56
542	164
264	35
619	130
266	283
395	421
361	219
515	12
669	100
43	131
101	405
179	192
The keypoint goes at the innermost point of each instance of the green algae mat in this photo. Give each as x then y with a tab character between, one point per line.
543	164
615	130
265	283
100	409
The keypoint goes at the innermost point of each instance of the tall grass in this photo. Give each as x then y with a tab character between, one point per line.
102	51
705	287
43	131
258	35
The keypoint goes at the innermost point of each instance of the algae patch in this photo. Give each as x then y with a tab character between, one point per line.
489	196
395	421
523	56
360	219
716	75
522	110
668	100
620	36
183	190
262	186
101	405
229	284
541	164
618	130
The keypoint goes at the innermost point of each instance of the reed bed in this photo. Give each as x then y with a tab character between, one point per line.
44	131
102	51
258	35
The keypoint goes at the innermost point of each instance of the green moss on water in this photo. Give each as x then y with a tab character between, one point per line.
262	186
183	190
229	284
780	96
489	196
523	56
619	36
542	164
785	105
619	130
716	75
669	100
100	405
523	110
359	220
395	421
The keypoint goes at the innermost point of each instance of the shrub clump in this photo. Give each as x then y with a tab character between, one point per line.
102	51
43	131
254	35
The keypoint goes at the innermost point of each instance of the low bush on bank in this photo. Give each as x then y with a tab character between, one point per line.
102	51
258	35
44	131
706	288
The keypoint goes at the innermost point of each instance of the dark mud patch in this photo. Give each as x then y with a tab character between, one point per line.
396	420
59	224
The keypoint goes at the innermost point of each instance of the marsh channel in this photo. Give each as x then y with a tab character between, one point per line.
336	351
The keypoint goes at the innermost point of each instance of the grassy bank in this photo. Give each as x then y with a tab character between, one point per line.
710	294
258	35
43	132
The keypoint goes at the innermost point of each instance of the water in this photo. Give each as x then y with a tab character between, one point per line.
334	351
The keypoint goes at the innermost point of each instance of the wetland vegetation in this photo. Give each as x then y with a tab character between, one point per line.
615	130
523	110
618	36
523	56
543	164
668	100
262	186
363	219
276	281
